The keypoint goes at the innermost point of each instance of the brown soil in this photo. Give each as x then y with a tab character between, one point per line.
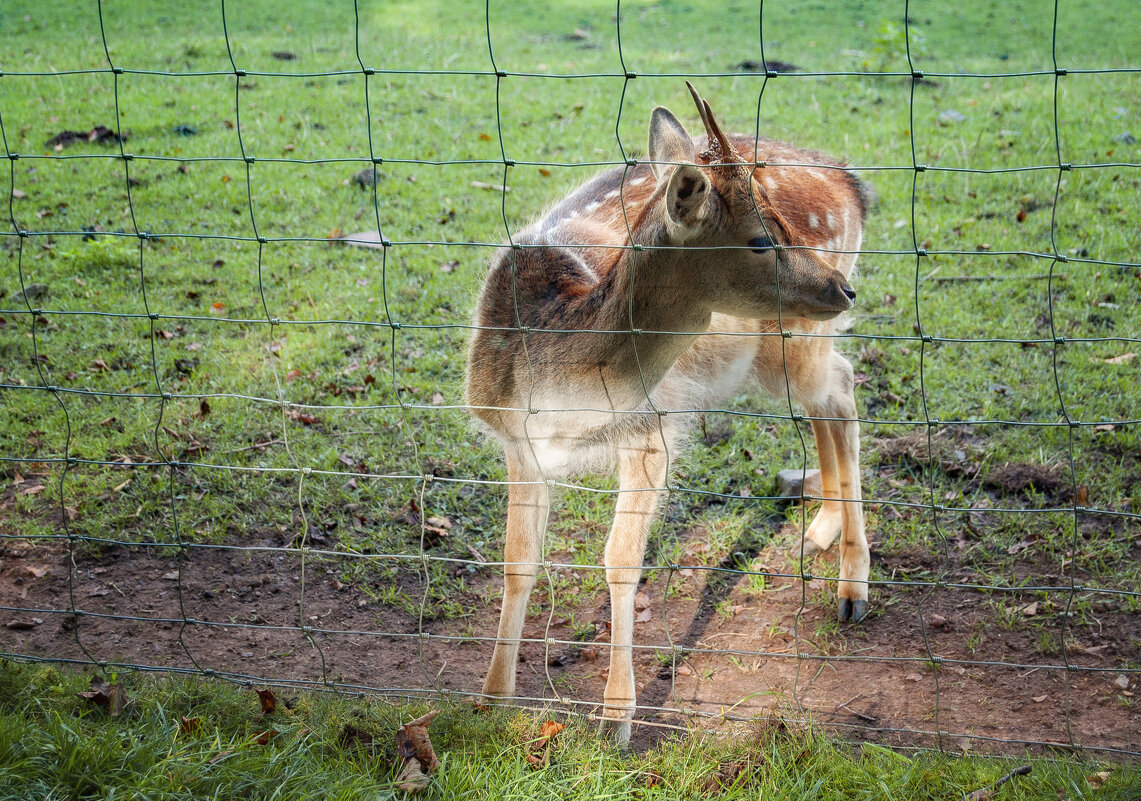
871	681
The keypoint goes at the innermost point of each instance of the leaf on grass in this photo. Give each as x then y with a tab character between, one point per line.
99	364
409	515
642	611
549	729
111	698
354	735
1096	780
189	725
540	755
1022	546
301	417
265	737
415	747
219	758
412	779
268	701
1122	359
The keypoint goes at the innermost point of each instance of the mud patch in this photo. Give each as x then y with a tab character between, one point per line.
950	666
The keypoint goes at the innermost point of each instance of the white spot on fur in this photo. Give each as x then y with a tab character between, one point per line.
831	220
613	193
813	220
591	207
637	182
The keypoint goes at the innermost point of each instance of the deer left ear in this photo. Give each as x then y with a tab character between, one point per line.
669	142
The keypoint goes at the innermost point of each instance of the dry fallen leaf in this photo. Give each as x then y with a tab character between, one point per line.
268	701
642	611
189	725
549	729
111	698
302	417
415	747
219	758
1122	359
412	779
1096	780
541	750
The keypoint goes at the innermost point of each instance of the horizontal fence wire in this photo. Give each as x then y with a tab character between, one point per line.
181	546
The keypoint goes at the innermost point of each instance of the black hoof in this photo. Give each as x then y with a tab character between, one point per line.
852	611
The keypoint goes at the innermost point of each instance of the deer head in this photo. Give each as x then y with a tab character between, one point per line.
754	263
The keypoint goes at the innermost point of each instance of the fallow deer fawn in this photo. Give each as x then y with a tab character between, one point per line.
633	297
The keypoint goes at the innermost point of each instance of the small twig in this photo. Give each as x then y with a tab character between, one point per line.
988	792
862	716
257	445
476	554
962	279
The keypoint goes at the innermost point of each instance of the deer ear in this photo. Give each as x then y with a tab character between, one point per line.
669	141
687	196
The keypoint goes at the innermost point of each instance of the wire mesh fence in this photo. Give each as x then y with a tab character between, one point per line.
408	632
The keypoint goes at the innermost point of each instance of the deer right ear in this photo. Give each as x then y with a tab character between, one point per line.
687	200
669	142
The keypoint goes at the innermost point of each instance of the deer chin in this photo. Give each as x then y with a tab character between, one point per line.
818	313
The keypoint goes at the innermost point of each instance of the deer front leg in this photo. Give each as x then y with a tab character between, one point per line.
642	475
838	445
821	533
528	504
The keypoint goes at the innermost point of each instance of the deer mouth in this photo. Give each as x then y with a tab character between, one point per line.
836	297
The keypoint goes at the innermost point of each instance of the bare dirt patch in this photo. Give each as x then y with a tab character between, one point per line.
249	613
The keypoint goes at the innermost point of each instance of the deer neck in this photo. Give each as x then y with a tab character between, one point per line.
652	298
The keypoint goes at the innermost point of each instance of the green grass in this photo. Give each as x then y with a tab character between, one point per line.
54	745
379	400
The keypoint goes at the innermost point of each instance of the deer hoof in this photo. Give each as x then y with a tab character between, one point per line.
795	553
616	730
852	611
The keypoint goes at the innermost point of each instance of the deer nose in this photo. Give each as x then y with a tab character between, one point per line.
851	293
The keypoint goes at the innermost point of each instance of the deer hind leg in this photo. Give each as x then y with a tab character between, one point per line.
838	445
642	474
528	504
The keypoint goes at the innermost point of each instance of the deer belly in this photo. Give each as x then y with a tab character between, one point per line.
566	443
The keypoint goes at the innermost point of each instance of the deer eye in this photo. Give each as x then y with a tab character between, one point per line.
762	244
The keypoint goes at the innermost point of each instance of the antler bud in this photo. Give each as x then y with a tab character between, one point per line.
720	150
